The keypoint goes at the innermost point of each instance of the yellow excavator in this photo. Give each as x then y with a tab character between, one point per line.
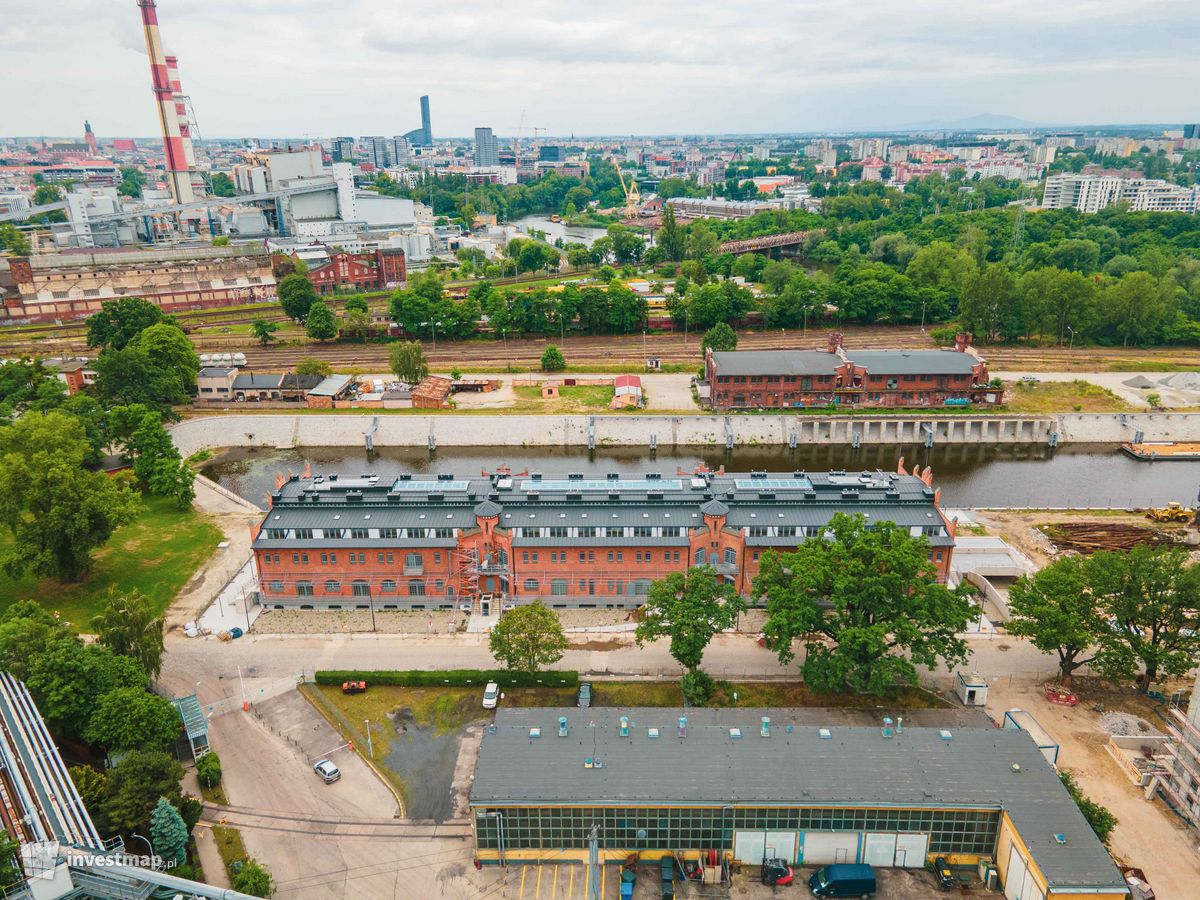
1172	512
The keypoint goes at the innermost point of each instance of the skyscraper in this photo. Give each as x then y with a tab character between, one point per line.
343	149
487	153
423	136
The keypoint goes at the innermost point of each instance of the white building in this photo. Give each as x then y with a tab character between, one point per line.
1092	193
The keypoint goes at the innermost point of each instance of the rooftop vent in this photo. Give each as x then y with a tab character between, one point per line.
562	726
849	494
824	734
765	730
887	726
445	476
652	733
1060	838
624	726
613	476
536	476
653	475
735	733
758	474
575	476
683	726
799	473
404	476
535	733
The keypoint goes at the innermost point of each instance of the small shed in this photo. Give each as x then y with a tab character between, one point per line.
550	390
1022	720
194	723
971	688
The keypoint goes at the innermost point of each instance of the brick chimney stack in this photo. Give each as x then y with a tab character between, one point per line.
835	341
962	341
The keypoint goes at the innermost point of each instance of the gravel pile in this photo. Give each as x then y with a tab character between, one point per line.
1126	724
1139	381
1182	381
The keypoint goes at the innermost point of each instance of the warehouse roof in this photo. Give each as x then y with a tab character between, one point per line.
821	362
797	765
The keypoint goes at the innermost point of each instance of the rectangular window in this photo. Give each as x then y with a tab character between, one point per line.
387	533
730	556
304	558
620	555
324	559
535	556
437	557
525	556
276	587
610	556
351	559
333	559
362	559
582	556
531	584
359	534
335	533
276	534
558	586
304	589
416	589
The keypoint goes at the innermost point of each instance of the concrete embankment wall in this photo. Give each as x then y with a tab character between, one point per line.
282	431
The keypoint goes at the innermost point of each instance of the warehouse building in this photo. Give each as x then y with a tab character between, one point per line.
797	379
441	542
749	783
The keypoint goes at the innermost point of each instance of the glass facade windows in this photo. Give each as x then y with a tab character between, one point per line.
652	828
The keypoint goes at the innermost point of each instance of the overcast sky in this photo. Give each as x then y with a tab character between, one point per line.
328	67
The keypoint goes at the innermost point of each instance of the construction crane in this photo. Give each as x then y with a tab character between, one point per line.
633	197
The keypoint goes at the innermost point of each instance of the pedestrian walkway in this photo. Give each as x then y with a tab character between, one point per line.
478	624
233	606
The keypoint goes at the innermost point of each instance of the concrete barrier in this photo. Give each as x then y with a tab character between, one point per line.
448	430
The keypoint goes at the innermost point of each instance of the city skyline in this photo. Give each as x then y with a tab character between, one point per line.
622	70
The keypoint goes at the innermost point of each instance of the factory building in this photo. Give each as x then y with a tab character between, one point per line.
75	284
441	542
781	379
741	784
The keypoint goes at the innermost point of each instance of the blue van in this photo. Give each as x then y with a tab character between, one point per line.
843	880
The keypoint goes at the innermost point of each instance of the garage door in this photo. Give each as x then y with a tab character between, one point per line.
751	846
822	848
911	850
1019	883
879	849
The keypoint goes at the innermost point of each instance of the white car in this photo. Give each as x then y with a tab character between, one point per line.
491	693
328	772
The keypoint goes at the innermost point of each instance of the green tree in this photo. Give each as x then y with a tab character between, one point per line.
719	337
26	385
57	512
171	353
358	302
552	359
1150	598
627	310
263	331
670	236
296	296
990	304
407	360
254	879
129	627
136	783
131	718
14	240
1135	308
1099	817
208	770
528	638
168	834
222	185
311	365
319	324
1056	610
130	377
691	610
92	785
868	601
120	321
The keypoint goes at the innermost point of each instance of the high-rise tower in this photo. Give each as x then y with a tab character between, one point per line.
178	173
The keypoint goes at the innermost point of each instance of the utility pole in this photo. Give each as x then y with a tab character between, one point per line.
370	749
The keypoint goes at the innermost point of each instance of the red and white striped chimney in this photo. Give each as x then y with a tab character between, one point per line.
178	174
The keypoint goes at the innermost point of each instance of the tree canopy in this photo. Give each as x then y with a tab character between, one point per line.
528	638
690	609
867	601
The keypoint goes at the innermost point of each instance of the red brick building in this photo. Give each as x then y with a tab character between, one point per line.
359	271
437	542
780	379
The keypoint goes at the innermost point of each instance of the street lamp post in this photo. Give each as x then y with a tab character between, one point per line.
153	860
433	329
1071	345
923	302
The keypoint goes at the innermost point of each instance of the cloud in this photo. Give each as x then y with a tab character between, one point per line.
297	67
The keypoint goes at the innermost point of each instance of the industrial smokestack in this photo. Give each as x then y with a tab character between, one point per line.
178	175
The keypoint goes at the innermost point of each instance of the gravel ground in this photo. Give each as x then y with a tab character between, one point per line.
1126	724
343	621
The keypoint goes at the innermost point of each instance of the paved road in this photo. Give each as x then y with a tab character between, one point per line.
272	664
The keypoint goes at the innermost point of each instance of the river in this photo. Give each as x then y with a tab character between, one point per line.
970	475
554	230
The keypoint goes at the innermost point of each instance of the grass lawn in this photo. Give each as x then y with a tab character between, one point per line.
1063	396
230	846
214	794
573	398
157	554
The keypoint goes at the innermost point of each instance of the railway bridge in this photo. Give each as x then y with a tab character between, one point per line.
766	242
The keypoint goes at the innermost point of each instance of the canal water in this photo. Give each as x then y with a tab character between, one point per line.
970	475
555	230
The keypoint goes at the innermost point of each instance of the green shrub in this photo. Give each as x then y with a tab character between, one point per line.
452	678
697	686
208	770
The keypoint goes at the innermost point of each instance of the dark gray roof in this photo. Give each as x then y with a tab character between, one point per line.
977	768
487	508
820	362
215	372
714	508
776	362
252	381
